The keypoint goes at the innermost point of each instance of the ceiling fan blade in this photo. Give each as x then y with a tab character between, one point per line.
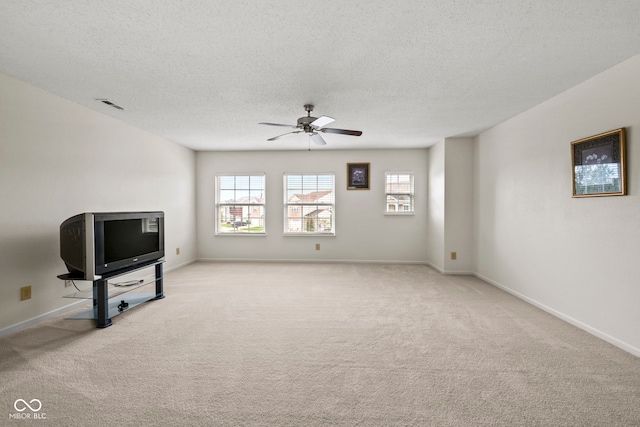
317	139
278	124
342	131
284	134
322	121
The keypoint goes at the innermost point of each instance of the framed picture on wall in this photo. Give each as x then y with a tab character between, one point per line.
357	176
598	164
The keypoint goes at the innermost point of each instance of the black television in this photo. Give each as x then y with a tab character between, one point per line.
95	244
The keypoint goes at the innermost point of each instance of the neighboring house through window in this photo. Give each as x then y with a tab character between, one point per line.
240	204
309	204
399	193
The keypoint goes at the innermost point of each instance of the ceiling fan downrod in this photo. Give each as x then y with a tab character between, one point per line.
308	108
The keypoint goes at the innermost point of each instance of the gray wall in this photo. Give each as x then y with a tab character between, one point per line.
363	232
58	159
574	257
450	219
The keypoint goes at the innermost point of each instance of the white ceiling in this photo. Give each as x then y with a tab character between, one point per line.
405	72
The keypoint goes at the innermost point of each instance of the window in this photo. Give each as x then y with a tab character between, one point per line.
240	202
309	204
399	193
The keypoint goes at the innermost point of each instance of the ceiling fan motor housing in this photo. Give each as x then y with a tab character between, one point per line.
304	123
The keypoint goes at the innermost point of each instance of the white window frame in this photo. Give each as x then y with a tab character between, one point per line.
328	203
411	192
221	206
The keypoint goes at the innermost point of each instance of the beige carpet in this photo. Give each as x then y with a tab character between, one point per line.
270	344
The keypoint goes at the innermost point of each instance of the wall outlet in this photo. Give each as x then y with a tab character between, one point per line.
25	293
454	255
317	246
177	251
67	283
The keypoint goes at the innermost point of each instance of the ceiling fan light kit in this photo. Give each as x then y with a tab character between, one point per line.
311	126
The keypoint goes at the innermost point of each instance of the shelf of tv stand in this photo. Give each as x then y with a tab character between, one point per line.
134	299
113	289
107	298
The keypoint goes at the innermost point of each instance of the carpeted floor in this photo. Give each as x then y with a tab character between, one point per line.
279	344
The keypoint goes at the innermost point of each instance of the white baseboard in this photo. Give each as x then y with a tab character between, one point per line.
318	261
450	272
435	267
180	266
458	273
578	324
341	261
34	320
30	322
587	328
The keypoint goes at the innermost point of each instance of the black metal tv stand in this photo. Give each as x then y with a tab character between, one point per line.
104	306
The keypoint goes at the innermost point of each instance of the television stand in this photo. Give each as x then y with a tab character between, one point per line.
106	306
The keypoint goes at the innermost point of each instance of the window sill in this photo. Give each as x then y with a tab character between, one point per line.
309	235
399	213
239	233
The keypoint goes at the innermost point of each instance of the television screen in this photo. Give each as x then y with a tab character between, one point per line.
128	238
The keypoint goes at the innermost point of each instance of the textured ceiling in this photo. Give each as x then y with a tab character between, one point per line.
407	73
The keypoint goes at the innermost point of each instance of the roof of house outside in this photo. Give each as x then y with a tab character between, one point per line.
315	213
310	197
245	200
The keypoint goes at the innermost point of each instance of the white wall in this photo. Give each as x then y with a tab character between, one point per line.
58	159
450	218
363	232
575	257
436	206
458	213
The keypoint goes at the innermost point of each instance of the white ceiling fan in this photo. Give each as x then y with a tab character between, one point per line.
312	126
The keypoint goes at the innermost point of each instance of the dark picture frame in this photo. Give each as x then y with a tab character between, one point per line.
357	176
599	165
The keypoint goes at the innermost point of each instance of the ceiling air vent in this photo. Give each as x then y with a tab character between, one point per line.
109	103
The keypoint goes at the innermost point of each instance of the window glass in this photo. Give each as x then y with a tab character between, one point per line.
399	192
240	204
309	204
